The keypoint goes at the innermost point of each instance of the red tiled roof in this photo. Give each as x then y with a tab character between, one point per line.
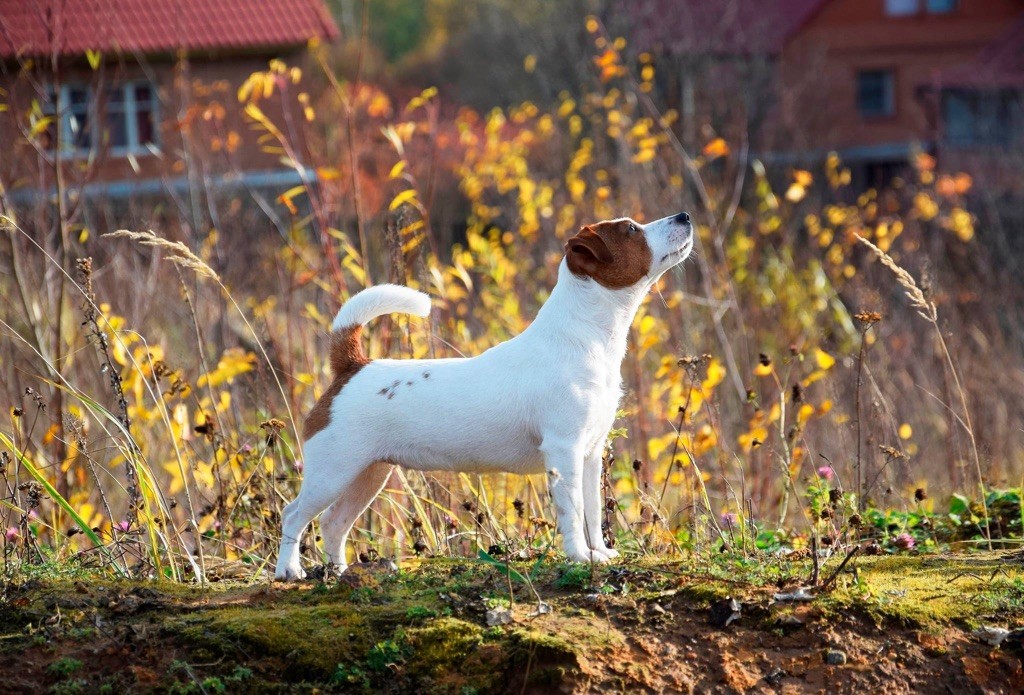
999	64
72	27
736	27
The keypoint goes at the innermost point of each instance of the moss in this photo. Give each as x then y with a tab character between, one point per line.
312	639
451	656
937	590
539	659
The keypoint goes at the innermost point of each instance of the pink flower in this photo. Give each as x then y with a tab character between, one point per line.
904	541
11	534
729	519
122	526
826	472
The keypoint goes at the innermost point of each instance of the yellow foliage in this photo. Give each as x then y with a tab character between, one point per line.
234	362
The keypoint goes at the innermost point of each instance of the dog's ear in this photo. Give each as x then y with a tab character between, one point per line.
587	251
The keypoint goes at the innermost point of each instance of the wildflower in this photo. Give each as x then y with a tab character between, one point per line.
122	526
11	534
729	519
904	541
826	472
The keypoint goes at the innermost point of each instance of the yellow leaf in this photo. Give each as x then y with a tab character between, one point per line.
906	431
823	359
716	374
397	170
406	196
795	193
762	370
716	148
812	377
233	362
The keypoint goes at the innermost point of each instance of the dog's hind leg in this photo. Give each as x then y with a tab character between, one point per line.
339	518
324	482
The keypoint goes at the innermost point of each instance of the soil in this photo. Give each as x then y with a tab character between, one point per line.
883	625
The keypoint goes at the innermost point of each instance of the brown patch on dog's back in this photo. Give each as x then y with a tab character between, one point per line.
347	359
610	253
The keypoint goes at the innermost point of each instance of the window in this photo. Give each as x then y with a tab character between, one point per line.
128	114
875	96
940	6
982	118
906	8
901	8
130	117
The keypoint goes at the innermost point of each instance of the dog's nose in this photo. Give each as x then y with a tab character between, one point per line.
683	218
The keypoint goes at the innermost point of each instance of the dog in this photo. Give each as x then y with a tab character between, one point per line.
543	401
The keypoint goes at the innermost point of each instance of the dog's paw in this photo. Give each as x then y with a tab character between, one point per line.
586	555
610	553
289	574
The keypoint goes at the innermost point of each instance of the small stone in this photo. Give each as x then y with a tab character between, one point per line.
499	616
775	676
656	607
725	612
835	657
789	620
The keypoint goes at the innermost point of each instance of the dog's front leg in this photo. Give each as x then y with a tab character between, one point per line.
564	462
592	504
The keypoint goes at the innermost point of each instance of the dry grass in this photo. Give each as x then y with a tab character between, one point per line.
746	447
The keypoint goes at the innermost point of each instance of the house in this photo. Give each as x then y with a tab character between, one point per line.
114	91
871	79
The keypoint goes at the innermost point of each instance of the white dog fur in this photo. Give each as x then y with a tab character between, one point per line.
541	402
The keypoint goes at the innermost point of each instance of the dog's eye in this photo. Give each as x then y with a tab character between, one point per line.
632	227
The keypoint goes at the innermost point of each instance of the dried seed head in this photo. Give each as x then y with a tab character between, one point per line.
868	317
918	299
798	393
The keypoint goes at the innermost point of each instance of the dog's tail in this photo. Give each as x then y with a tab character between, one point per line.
376	301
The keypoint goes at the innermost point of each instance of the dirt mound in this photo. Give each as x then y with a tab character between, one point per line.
889	625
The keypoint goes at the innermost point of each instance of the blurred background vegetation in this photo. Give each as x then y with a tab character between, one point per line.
841	360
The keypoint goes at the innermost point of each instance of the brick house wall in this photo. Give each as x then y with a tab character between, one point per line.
848	38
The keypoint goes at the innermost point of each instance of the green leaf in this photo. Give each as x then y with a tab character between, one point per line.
959	505
52	492
500	566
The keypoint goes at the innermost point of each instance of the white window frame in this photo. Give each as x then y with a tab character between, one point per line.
97	119
131	112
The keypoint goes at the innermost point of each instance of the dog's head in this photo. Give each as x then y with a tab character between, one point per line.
622	253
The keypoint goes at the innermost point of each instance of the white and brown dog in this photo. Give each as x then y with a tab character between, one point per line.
543	401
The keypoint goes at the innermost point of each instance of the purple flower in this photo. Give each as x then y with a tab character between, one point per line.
904	541
826	472
729	519
122	526
11	533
